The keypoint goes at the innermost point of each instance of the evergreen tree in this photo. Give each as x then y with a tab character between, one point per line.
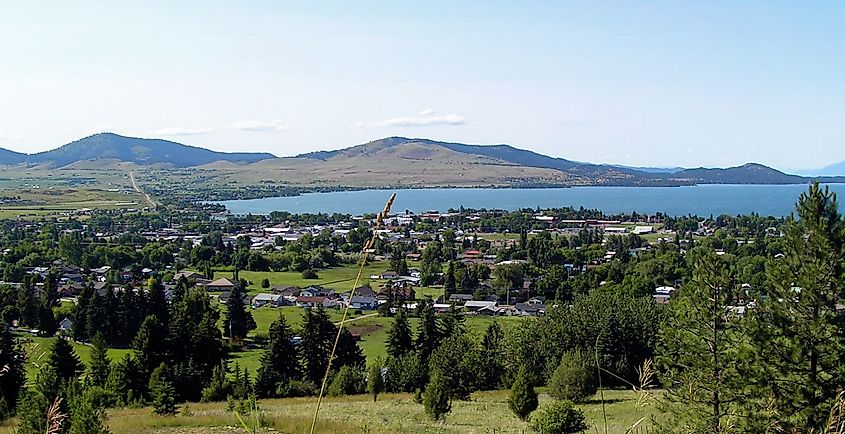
86	417
12	374
449	283
348	353
46	320
375	381
399	339
237	321
347	380
128	380
64	361
523	399
428	335
150	350
164	398
317	335
492	368
280	360
98	372
455	363
34	404
436	398
219	387
574	378
799	336
698	352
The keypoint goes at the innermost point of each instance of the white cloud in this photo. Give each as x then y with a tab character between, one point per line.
275	125
425	117
246	125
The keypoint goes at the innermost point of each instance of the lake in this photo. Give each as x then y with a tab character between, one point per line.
703	200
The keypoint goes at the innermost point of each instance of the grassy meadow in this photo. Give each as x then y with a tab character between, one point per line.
485	412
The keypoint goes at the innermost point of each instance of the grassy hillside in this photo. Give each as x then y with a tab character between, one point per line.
486	412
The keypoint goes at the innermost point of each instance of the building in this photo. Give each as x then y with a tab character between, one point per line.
264	299
477	305
223	284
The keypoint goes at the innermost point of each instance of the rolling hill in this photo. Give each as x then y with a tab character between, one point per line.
395	162
108	146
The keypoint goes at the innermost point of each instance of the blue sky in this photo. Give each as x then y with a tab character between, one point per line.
642	83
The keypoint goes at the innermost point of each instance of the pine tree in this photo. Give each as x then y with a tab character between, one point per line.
238	321
455	363
150	350
98	372
799	334
436	398
86	417
449	283
428	335
523	399
492	355
219	387
399	339
318	335
280	360
64	361
164	398
34	404
375	381
12	374
574	378
698	351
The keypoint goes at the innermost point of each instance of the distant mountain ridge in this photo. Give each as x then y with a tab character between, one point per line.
108	146
395	162
581	173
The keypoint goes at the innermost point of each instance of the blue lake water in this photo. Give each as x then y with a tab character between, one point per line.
703	200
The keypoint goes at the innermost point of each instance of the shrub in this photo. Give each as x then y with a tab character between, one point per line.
523	399
296	389
265	283
347	381
309	273
558	417
436	399
574	378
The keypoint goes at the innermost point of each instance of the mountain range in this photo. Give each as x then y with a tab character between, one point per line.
108	146
396	161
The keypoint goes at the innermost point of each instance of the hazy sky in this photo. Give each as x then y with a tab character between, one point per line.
640	83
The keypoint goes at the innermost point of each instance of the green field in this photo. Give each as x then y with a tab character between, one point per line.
341	278
485	412
38	351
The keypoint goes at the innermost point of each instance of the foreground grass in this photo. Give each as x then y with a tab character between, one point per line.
393	413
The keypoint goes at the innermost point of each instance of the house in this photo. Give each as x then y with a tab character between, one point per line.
387	275
365	291
226	295
460	298
316	291
442	307
363	302
286	291
189	275
264	299
309	301
66	326
530	309
663	294
223	284
476	305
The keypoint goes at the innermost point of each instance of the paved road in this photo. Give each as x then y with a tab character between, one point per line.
138	189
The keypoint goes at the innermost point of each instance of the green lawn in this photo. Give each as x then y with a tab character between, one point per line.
340	278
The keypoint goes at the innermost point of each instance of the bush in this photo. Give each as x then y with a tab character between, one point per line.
297	389
574	379
375	381
523	399
403	374
347	381
309	273
265	283
558	417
